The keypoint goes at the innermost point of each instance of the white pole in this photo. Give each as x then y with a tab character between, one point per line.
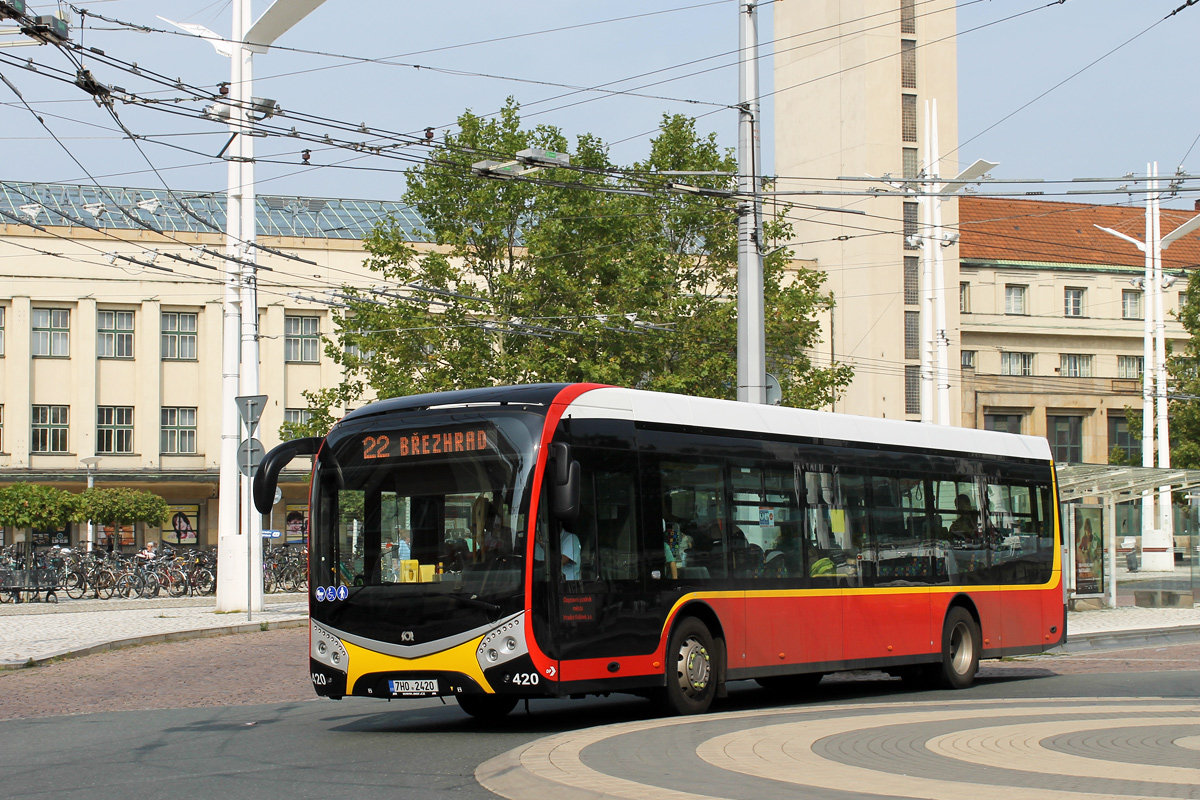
1148	371
230	548
1165	560
751	347
939	283
927	291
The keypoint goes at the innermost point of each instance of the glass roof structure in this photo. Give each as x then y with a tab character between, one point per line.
114	208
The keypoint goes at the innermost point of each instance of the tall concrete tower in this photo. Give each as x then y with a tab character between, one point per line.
852	79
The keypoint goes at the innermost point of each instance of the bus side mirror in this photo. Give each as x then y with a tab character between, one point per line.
565	483
266	478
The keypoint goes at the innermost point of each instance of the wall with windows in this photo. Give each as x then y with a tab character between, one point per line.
126	364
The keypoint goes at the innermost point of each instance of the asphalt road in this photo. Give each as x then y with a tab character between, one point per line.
233	717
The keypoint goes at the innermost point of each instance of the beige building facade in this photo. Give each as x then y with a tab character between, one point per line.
111	336
852	81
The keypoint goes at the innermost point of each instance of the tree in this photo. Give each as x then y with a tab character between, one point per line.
1184	409
37	507
123	506
587	274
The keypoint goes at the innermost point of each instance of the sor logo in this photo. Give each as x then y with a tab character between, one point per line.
407	636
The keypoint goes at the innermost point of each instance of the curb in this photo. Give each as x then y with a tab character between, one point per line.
1109	640
157	638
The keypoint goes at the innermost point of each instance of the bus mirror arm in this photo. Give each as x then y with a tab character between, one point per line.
266	478
566	483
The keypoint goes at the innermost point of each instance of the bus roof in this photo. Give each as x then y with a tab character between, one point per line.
660	408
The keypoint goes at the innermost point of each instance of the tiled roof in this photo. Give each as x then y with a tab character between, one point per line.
1049	232
111	208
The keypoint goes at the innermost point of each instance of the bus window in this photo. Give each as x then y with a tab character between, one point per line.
1015	525
900	551
764	506
963	546
837	529
693	512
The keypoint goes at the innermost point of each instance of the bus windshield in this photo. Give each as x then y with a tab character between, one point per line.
419	522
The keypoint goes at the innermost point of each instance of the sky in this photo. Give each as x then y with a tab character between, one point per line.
1082	88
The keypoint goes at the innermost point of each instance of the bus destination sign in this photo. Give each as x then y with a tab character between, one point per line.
425	443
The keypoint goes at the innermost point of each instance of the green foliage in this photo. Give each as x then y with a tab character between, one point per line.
598	275
37	507
1185	384
123	506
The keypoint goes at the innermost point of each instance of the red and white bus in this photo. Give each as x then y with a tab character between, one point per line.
561	540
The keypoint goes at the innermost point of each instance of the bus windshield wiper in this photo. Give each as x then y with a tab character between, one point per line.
475	602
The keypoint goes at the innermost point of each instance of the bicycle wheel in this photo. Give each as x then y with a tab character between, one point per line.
128	585
149	585
75	585
104	583
176	583
203	582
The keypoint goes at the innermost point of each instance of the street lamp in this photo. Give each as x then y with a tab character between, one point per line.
91	462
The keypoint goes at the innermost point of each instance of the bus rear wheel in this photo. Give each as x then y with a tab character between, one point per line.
486	706
691	668
961	640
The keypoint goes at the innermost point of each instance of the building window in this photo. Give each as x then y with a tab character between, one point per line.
1016	363
51	332
302	339
912	164
297	416
912	334
911	214
968	359
178	336
1	330
1	429
964	297
908	117
912	389
1073	303
908	16
1014	299
114	429
1066	438
1131	304
1004	423
49	434
1123	448
908	63
1072	365
178	431
114	334
912	293
1130	366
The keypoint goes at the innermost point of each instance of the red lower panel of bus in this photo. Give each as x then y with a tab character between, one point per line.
761	633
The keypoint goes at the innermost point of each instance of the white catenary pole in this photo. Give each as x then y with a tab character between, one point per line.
751	337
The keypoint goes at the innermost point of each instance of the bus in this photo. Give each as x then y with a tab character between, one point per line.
561	540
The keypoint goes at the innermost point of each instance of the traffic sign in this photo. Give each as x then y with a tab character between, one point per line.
250	455
250	408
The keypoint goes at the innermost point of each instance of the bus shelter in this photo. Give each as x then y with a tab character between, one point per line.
1109	485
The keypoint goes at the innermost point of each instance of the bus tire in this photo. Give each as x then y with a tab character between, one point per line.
691	668
486	706
961	643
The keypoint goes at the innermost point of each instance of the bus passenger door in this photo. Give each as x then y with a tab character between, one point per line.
819	563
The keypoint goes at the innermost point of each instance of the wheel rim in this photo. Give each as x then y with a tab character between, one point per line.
694	667
962	649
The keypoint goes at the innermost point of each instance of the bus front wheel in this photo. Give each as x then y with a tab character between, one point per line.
486	706
961	642
691	668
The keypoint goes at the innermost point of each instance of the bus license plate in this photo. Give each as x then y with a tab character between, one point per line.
411	687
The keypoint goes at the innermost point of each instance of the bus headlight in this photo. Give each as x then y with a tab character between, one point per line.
503	644
327	648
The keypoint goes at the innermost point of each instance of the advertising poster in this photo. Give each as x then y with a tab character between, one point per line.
182	524
296	528
1089	550
103	532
